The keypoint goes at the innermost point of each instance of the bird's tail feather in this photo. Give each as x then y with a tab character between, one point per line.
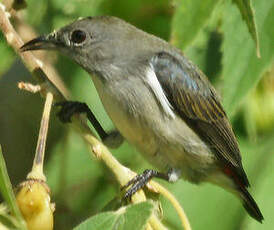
250	205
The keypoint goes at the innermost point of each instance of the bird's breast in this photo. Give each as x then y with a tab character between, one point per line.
126	103
164	141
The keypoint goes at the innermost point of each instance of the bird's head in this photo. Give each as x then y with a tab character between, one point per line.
93	42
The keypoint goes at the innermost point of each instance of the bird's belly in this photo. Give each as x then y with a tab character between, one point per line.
130	126
164	142
126	120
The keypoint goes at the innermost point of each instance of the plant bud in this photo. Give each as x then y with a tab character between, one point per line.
33	200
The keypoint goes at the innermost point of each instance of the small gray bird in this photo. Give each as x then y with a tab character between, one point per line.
158	100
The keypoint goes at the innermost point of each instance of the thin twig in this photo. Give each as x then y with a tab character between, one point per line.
38	162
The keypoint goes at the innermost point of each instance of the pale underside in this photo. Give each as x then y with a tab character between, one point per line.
166	142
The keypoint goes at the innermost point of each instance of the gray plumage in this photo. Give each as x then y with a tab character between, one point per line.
158	100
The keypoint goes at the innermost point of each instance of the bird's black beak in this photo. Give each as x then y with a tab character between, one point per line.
44	42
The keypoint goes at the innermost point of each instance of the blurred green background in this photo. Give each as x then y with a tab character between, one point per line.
214	36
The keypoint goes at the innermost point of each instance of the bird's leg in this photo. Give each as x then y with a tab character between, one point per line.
139	181
69	108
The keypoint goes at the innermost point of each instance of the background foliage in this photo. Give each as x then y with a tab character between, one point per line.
215	37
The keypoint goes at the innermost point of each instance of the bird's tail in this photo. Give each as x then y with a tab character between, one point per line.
250	205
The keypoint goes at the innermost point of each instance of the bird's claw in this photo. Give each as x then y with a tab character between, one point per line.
137	183
69	108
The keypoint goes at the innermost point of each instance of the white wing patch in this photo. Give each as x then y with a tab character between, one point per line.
159	92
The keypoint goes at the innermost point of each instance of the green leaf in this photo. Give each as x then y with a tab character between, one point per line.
6	52
7	192
104	220
248	16
133	217
241	68
188	19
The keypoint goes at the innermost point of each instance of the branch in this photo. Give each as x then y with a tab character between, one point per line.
37	68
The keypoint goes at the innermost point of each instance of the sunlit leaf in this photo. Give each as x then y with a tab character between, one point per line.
133	217
241	68
248	16
188	19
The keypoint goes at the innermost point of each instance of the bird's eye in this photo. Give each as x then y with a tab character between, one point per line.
78	36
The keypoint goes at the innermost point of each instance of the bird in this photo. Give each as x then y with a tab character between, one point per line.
158	100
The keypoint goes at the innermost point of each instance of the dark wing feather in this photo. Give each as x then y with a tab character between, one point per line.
195	100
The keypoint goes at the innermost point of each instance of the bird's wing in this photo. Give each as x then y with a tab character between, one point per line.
195	100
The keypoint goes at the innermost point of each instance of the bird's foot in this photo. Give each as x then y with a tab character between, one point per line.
140	181
113	139
70	108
